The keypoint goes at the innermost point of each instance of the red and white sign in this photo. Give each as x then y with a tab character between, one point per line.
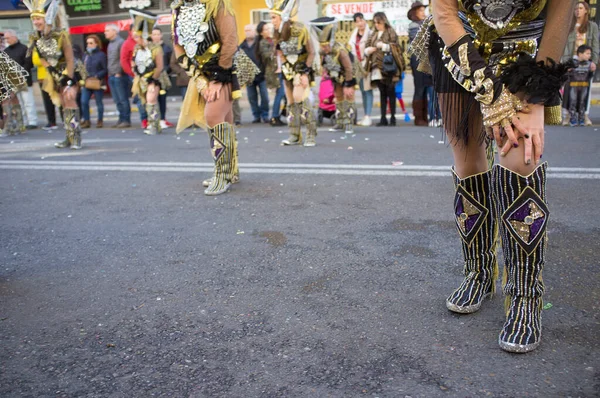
395	10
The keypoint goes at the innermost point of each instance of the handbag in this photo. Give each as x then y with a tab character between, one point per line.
389	67
93	83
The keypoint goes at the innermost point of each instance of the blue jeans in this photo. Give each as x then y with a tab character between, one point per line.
262	111
86	95
183	91
367	97
162	105
279	96
136	100
433	107
118	88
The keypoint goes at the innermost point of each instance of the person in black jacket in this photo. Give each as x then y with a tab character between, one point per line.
18	52
96	67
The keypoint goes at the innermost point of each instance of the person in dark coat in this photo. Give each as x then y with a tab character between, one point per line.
259	85
96	67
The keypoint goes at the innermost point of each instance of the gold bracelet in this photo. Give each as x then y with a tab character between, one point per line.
504	108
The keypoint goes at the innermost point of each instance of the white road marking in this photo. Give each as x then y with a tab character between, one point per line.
274	168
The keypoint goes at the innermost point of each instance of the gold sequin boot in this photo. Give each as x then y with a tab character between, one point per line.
222	145
307	116
523	213
345	115
294	123
153	120
476	224
17	116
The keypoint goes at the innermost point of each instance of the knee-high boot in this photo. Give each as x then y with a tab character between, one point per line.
9	121
153	120
222	146
294	123
476	224
236	170
523	213
345	116
72	130
17	116
308	118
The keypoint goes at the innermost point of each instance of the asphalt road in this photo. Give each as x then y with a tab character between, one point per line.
323	273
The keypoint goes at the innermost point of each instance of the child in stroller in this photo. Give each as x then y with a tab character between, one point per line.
326	100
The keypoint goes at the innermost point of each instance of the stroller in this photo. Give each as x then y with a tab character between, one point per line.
326	101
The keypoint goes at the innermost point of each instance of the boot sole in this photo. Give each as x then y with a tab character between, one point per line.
469	309
215	193
518	348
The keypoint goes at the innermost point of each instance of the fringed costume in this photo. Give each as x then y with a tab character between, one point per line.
482	54
206	43
148	68
294	45
336	61
53	45
12	79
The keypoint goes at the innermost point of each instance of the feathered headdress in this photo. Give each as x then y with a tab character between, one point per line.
143	22
286	8
325	28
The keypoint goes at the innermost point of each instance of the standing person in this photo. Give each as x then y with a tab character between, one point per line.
126	58
13	78
182	80
583	31
148	66
18	52
49	107
268	58
579	81
251	46
117	81
215	80
53	45
336	62
157	38
292	41
385	63
416	15
475	100
358	43
96	70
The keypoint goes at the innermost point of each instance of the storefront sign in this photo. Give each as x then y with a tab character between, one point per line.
395	10
84	5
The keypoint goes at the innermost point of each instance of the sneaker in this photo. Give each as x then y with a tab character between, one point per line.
573	122
31	127
565	121
164	124
123	125
256	121
366	122
145	124
587	121
49	127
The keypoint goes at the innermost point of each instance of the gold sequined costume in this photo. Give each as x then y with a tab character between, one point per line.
206	46
293	44
12	79
53	46
482	55
337	63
